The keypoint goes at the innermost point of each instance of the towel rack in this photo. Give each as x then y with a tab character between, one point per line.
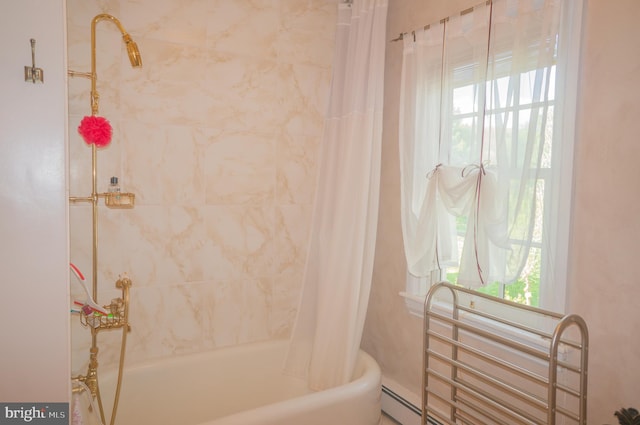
493	361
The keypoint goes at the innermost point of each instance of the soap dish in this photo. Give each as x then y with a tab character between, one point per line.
119	200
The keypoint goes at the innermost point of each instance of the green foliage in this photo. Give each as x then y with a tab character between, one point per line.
526	290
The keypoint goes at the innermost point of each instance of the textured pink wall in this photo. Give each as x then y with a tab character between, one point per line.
606	221
606	232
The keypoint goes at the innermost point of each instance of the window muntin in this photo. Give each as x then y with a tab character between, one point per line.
516	96
528	39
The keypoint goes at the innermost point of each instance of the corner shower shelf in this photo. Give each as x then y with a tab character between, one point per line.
111	199
119	200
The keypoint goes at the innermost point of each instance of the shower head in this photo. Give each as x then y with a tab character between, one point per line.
132	51
132	47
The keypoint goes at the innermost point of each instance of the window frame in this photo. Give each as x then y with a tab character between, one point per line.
551	294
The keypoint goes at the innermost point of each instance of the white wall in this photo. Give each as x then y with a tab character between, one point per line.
34	306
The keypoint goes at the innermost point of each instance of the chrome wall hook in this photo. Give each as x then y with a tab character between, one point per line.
31	73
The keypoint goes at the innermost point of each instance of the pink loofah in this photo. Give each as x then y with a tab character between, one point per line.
95	130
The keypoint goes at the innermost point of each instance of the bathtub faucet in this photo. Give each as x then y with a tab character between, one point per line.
90	380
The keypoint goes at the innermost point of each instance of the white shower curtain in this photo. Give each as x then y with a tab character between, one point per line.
328	329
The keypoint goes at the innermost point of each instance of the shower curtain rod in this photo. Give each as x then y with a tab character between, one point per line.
442	21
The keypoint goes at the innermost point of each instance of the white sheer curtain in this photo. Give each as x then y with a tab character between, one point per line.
328	329
483	131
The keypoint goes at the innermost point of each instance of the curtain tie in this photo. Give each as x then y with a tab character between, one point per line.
433	172
472	167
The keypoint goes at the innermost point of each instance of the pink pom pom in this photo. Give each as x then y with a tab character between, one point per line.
95	130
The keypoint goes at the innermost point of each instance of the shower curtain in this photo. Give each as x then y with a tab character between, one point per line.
337	279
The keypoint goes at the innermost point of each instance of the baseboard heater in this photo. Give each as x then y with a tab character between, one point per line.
401	409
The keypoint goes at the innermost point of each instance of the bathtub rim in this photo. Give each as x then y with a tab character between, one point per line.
366	384
145	364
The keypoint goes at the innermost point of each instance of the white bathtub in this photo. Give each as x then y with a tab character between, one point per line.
240	385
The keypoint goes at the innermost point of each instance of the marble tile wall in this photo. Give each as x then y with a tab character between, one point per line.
217	137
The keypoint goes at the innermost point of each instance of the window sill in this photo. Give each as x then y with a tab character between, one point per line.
414	303
415	306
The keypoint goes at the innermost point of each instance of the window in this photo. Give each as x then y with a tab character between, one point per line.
516	115
486	142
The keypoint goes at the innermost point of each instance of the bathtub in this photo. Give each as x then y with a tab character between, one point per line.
240	385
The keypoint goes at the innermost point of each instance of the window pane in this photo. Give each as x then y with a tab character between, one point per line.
499	146
539	218
502	95
464	100
548	139
526	290
522	203
463	137
493	289
532	137
537	85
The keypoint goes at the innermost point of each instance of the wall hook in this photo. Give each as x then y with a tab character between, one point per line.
31	73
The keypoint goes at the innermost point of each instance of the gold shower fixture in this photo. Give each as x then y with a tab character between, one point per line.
120	200
118	310
132	52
